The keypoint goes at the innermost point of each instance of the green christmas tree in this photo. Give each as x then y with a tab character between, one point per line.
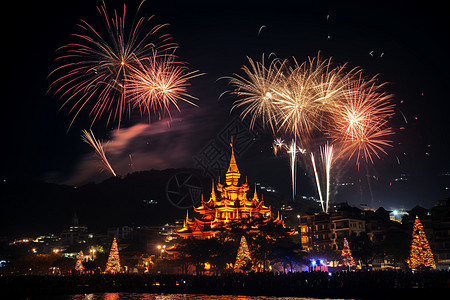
113	264
243	259
347	258
79	264
421	254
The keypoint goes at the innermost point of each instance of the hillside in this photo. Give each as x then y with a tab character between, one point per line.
140	198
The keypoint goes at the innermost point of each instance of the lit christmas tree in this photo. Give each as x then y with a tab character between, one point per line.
113	264
347	258
79	264
243	259
421	254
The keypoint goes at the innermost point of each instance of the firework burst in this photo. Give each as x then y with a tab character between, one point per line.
293	99
93	69
311	91
158	82
360	122
256	92
89	138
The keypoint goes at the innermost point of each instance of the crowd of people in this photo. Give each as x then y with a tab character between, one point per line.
375	284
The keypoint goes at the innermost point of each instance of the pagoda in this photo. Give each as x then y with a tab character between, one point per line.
227	203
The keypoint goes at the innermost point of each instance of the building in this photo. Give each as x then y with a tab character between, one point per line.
227	203
120	233
345	220
76	234
326	231
440	241
378	223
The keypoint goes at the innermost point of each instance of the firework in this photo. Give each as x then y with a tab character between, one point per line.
360	123
293	162
316	101
312	91
256	93
292	150
316	176
277	145
327	157
94	68
89	138
293	99
159	82
327	160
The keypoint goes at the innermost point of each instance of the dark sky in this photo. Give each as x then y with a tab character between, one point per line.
407	44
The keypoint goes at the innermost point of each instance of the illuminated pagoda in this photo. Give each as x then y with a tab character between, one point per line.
228	204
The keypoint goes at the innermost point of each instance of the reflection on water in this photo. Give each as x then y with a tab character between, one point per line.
142	296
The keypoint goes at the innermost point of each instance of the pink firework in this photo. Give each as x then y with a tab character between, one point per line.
158	83
93	70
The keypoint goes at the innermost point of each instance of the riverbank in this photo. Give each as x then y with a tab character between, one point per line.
360	285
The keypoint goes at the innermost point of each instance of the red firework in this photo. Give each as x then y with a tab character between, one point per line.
360	121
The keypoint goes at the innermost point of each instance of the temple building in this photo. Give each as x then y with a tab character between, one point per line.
228	202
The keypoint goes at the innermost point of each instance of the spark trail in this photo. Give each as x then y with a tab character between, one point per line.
89	138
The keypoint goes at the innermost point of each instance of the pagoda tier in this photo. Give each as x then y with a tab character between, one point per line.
227	202
197	229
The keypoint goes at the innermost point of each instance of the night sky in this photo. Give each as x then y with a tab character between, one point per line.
406	44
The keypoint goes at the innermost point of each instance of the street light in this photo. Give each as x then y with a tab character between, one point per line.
161	249
92	252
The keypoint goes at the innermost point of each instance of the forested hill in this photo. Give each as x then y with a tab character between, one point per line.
37	207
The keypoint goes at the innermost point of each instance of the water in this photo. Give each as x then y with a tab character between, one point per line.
145	296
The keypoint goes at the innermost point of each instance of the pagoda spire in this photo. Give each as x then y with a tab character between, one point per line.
232	176
187	218
233	165
255	195
213	194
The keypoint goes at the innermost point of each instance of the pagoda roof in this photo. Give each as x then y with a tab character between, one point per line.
196	228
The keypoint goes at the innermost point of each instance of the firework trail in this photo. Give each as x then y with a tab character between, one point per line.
93	69
327	159
158	82
293	162
326	155
292	150
89	138
316	176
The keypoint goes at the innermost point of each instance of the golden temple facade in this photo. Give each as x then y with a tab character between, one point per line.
228	202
